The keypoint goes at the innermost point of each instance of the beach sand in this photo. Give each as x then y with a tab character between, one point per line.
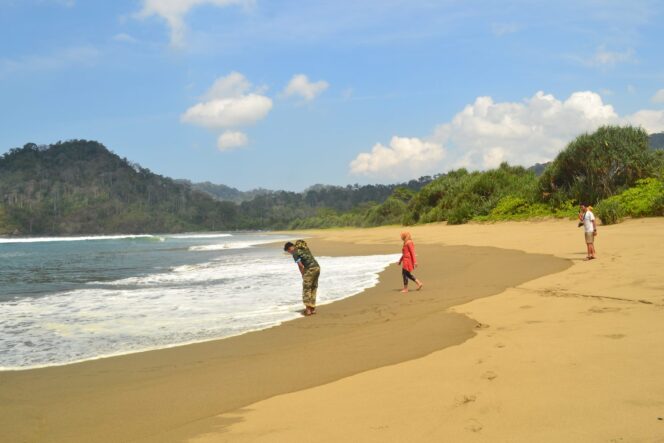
514	338
576	356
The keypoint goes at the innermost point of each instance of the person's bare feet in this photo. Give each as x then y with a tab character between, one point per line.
420	286
404	290
309	311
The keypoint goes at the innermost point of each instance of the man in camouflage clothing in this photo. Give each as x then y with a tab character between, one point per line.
310	271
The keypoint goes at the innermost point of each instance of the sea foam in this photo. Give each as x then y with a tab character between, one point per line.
232	294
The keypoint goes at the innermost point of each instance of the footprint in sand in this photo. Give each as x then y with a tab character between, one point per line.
598	310
489	375
465	399
614	336
474	425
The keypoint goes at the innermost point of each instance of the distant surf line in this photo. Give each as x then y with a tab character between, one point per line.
108	237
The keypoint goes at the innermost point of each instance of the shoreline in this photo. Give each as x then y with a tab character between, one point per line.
295	316
171	394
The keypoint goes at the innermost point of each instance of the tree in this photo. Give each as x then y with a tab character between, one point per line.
598	165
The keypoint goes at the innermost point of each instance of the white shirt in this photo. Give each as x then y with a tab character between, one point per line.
588	219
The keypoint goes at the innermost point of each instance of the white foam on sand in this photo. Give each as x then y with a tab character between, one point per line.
232	245
228	296
195	236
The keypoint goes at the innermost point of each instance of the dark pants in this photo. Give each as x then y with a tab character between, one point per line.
407	275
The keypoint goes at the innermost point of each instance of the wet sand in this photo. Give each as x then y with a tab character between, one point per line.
182	393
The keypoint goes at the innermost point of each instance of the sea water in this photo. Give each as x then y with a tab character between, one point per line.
65	300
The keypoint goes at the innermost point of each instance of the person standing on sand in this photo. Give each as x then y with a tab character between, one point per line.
589	229
310	271
408	261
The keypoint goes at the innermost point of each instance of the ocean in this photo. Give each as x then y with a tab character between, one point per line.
66	300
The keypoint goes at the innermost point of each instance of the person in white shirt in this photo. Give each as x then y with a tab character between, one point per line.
589	229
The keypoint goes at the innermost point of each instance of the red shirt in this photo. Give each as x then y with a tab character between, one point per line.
407	259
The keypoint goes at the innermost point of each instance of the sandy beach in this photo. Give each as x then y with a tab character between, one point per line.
514	338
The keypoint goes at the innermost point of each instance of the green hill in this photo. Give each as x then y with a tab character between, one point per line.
225	193
79	187
656	141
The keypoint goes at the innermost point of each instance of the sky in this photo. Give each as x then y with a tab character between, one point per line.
284	94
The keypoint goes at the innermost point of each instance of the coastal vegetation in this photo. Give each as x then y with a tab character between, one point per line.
615	161
80	187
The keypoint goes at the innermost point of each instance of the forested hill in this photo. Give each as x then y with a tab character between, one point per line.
656	141
79	187
225	193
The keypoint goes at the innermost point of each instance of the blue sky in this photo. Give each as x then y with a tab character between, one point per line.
286	94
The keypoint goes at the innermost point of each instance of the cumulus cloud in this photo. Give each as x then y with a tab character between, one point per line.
232	86
300	85
231	140
229	112
658	97
174	12
651	121
486	133
404	158
534	130
229	104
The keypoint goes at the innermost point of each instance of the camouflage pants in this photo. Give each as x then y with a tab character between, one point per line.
310	286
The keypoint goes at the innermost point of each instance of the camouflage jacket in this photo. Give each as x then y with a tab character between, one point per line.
303	255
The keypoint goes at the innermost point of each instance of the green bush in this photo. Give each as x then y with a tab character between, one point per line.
510	205
459	196
643	200
388	213
609	211
460	214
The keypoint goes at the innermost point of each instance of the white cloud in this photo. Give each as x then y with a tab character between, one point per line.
651	121
174	11
229	112
231	140
658	97
232	86
405	158
228	105
535	130
301	86
486	133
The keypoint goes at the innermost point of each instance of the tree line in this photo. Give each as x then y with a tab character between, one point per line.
80	187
